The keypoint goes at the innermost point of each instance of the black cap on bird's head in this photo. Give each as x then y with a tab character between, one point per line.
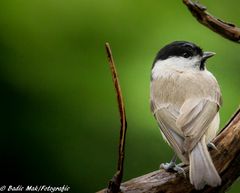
182	49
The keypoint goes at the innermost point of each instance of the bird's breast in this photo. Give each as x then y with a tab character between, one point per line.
174	86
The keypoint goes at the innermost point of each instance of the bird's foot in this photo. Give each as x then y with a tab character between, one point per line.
172	166
168	166
179	169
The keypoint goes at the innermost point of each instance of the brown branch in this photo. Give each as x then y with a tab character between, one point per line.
226	160
225	29
114	183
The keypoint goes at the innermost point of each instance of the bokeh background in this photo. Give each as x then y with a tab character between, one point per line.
59	116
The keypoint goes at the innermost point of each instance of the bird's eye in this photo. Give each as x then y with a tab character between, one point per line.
186	55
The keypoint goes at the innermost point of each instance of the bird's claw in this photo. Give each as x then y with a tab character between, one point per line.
180	170
212	146
167	166
172	166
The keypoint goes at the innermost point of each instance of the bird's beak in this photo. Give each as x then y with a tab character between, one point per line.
207	55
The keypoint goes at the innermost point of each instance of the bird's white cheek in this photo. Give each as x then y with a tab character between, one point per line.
165	68
160	72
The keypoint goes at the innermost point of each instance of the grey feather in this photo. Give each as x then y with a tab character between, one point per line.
194	120
167	123
202	170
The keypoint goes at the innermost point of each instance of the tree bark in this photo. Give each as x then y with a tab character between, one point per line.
225	29
226	160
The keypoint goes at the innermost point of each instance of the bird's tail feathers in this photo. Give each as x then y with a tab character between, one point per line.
202	171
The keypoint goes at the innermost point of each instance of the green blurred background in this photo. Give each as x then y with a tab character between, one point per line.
59	116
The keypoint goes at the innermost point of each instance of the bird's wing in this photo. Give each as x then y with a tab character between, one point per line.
194	119
167	122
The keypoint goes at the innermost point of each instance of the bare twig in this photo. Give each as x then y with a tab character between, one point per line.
225	29
114	184
226	160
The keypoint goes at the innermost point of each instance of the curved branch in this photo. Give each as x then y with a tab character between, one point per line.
226	160
225	29
115	182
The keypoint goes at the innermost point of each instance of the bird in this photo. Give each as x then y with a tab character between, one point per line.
185	99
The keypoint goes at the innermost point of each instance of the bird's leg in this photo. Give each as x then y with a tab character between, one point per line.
212	146
178	168
173	166
170	165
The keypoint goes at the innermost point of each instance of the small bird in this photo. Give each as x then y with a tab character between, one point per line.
185	100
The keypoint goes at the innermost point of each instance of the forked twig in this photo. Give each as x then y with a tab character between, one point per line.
225	29
115	182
